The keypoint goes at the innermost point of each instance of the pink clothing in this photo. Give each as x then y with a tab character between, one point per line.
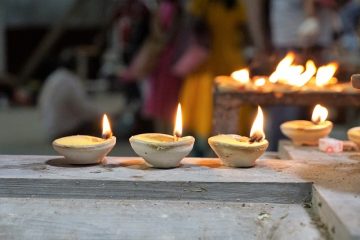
163	94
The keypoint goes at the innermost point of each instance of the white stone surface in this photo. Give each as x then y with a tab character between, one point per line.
141	219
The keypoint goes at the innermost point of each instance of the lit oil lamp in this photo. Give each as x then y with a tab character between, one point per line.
303	132
82	149
162	150
239	79
325	75
354	135
241	76
240	151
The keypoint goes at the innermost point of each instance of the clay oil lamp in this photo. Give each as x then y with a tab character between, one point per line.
354	135
239	79
303	132
162	150
240	151
83	149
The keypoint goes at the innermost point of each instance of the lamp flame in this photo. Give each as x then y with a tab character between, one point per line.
178	123
242	76
106	129
319	114
282	68
257	129
260	82
306	76
325	74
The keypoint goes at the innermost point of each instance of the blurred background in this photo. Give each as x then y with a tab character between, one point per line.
65	63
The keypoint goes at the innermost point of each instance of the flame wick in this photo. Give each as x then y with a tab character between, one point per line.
106	135
317	120
256	137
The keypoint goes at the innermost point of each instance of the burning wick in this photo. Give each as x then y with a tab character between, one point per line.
257	133
106	132
319	114
257	137
178	124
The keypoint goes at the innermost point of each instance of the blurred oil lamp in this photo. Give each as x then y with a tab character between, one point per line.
239	79
324	75
354	133
260	84
303	132
82	149
241	76
162	150
283	68
240	151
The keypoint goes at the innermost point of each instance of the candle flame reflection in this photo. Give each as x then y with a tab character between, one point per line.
257	129
106	129
319	114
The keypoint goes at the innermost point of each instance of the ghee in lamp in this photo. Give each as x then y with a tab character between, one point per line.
303	132
81	149
163	150
240	151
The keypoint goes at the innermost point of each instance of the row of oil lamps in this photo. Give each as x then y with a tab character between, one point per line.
166	151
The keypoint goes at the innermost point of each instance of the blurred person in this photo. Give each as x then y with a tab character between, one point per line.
306	27
64	106
130	27
215	49
350	19
153	63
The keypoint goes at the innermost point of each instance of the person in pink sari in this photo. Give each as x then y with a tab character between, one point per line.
154	64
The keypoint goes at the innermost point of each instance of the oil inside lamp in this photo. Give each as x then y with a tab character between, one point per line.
82	149
303	132
163	150
240	151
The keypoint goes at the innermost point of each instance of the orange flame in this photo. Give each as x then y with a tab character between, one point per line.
282	67
260	82
257	129
294	75
306	76
106	129
319	114
242	76
178	123
325	74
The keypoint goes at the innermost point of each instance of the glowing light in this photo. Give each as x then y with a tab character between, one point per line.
178	123
106	129
319	114
325	74
242	76
257	129
260	82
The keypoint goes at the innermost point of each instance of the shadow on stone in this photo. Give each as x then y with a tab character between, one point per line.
61	162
